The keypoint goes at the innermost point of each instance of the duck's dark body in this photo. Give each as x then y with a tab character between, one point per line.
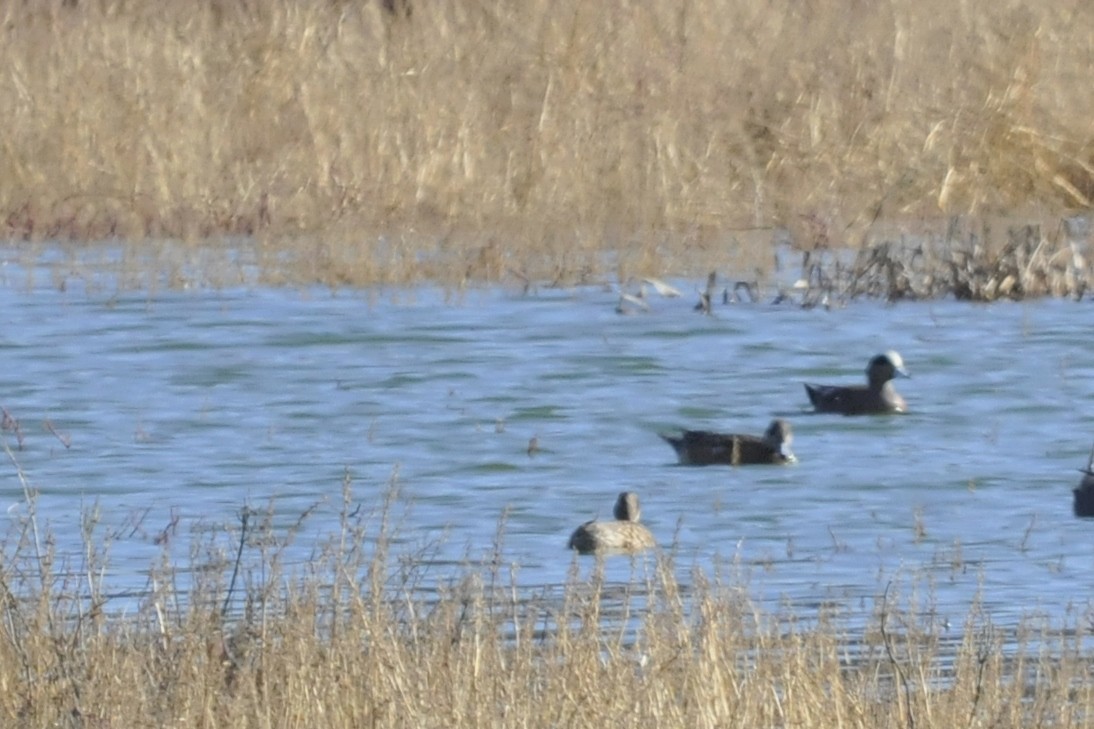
1084	492
706	448
877	396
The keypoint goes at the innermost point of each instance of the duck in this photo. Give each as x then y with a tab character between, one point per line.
625	535
877	396
1084	492
706	448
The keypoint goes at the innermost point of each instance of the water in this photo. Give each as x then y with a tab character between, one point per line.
189	404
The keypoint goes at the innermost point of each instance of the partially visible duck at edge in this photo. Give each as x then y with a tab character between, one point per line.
1084	492
877	396
622	536
704	448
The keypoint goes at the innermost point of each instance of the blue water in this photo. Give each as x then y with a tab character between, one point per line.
179	407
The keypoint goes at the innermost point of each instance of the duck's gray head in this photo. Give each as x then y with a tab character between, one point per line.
885	367
778	434
626	507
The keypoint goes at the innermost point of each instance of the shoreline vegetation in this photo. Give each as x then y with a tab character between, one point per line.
394	142
367	635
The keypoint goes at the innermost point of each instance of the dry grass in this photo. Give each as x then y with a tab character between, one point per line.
475	141
237	638
983	262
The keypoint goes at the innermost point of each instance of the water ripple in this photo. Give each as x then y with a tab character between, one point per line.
195	403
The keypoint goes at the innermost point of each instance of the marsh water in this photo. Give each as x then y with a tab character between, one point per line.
186	405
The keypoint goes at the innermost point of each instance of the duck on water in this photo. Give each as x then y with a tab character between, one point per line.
706	448
625	535
877	396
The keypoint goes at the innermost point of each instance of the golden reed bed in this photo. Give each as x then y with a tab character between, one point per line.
374	142
239	638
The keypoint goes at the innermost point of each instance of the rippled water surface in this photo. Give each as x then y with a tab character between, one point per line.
191	404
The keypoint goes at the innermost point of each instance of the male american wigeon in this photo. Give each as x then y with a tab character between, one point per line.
1084	492
704	448
877	396
624	535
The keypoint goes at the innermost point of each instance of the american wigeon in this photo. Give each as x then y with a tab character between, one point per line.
877	396
1084	492
704	448
624	535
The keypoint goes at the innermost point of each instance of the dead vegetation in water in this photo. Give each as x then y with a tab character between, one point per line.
971	261
979	260
357	143
239	638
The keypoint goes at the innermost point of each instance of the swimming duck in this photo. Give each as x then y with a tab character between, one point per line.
1084	492
877	396
704	448
624	535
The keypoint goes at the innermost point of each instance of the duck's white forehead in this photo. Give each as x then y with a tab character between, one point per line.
895	358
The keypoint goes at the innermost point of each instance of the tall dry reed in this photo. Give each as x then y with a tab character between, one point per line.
468	139
367	635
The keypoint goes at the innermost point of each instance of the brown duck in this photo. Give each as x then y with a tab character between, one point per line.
705	448
622	536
